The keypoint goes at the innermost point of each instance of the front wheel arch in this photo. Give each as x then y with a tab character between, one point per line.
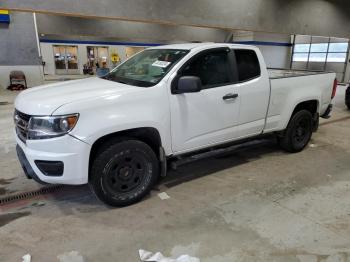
148	135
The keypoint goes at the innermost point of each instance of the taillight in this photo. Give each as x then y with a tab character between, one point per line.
335	85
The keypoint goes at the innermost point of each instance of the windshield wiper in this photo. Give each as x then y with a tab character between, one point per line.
113	78
122	82
107	77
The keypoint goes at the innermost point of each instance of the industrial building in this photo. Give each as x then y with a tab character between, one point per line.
204	99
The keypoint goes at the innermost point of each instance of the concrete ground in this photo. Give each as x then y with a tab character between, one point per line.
259	204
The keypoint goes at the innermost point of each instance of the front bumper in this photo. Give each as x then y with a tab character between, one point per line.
71	152
28	170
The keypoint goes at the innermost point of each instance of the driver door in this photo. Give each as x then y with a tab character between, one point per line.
210	116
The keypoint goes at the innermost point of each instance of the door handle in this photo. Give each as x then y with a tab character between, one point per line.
230	96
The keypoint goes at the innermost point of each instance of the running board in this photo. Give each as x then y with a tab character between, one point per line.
182	160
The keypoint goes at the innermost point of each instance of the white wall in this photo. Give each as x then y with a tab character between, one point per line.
48	55
33	74
243	36
275	56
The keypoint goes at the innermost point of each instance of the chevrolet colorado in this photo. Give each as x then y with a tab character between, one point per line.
118	132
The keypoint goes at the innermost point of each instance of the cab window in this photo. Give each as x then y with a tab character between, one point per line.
248	66
213	68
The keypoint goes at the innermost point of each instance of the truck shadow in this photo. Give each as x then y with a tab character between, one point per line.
227	160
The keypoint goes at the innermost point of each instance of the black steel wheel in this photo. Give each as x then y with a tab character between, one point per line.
301	132
124	172
298	133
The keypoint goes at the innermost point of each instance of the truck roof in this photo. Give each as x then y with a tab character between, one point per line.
190	46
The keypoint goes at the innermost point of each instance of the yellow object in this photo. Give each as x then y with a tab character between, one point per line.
4	12
115	57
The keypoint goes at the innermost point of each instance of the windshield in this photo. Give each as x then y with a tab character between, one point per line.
146	68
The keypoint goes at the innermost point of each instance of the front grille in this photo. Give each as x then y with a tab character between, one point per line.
21	122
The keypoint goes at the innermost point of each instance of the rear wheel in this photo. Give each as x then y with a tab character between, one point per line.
124	172
298	133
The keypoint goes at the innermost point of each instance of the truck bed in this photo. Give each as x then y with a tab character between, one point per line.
276	73
289	87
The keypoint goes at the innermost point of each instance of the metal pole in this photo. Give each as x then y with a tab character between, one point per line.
346	61
291	60
325	62
38	45
308	57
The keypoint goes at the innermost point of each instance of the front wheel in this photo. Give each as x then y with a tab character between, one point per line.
298	133
124	172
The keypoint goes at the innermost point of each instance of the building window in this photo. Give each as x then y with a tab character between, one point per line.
321	52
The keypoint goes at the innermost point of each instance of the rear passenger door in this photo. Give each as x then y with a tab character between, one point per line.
210	116
254	86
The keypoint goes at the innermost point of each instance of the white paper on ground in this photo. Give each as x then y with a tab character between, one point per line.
26	258
72	256
158	257
163	196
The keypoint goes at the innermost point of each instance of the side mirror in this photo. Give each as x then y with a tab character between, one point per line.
188	84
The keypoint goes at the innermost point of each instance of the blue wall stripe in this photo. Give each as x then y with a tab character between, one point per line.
4	18
263	43
43	40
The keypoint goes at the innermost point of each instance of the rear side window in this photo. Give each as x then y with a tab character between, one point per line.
212	68
247	64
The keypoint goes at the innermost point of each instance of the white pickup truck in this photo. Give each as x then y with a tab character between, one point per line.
119	131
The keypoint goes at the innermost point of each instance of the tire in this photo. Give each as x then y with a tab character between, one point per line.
124	172
347	97
298	132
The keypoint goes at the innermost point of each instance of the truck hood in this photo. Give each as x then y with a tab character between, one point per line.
44	100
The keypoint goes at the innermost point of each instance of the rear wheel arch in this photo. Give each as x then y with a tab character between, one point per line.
298	132
310	105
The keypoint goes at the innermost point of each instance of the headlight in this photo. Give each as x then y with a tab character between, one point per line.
41	127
